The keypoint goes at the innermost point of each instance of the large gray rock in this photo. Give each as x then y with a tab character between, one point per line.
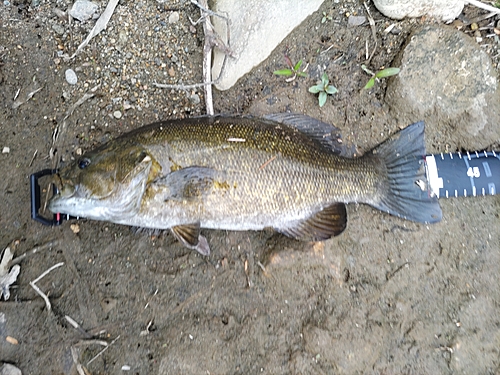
441	9
446	79
256	28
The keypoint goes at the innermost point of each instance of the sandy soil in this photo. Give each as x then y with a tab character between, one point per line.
386	297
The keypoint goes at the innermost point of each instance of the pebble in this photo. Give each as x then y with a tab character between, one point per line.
5	150
194	99
174	17
83	10
71	77
117	114
58	29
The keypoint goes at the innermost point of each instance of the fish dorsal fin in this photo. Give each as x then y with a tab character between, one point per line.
326	134
327	223
189	235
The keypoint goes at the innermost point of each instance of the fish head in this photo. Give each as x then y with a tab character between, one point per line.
105	184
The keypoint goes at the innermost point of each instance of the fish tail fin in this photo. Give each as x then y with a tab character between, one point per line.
406	192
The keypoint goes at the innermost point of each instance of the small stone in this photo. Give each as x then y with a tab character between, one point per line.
194	99
71	77
58	29
83	10
356	20
171	72
474	26
117	114
8	369
75	228
12	340
5	150
174	17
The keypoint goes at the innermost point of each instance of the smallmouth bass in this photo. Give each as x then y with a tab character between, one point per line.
242	173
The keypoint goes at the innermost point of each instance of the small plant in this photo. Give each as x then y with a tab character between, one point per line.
323	89
292	71
387	72
326	17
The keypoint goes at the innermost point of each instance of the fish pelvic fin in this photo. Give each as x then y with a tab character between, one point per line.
406	192
189	235
327	223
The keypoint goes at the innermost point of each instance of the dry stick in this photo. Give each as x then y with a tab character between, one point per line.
211	40
78	327
207	60
37	289
100	25
374	32
102	351
481	5
35	250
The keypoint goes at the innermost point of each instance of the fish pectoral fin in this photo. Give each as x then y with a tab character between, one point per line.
327	223
189	182
189	235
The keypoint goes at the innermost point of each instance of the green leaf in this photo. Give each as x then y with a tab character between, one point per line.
322	98
283	72
297	66
324	79
387	72
370	83
331	90
302	74
316	89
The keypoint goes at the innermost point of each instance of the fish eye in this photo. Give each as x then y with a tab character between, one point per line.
83	163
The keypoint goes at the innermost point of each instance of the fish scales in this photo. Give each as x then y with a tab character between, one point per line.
268	168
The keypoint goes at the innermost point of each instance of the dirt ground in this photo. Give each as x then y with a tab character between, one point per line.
386	297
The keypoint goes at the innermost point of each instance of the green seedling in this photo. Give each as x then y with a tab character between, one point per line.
323	89
326	17
387	72
292	71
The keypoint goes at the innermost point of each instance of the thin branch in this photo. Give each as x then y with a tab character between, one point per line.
481	5
33	251
102	351
211	40
374	32
38	290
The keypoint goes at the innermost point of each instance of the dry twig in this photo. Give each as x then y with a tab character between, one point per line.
374	33
100	25
33	251
211	40
481	5
38	290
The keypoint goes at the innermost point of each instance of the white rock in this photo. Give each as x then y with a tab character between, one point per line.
8	369
5	150
83	10
117	114
174	17
257	27
441	9
71	77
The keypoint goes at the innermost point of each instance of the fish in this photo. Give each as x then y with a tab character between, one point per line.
285	171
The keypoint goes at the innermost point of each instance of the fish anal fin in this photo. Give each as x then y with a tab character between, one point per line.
324	224
189	235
